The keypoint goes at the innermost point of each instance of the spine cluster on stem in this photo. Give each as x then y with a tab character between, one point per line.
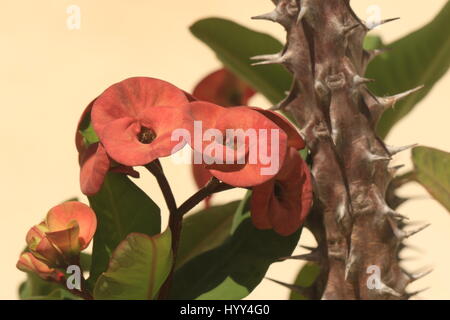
351	219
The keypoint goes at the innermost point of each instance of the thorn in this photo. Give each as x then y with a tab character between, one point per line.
310	257
397	215
358	80
301	14
347	30
415	293
387	210
393	170
308	248
398	233
270	59
389	102
374	157
350	265
369	55
388	290
302	133
419	275
406	259
412	248
394	150
341	211
292	287
376	52
413	232
266	56
401	234
379	23
271	16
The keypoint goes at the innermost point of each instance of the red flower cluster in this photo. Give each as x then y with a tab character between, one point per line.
135	121
225	89
57	242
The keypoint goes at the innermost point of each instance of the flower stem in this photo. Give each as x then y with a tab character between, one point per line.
156	169
176	214
213	186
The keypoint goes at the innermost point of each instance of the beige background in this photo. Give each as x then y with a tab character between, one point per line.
49	73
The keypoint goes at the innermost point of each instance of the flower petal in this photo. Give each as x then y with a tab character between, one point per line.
61	218
260	205
294	138
130	97
28	263
67	240
201	175
94	164
270	143
121	137
289	214
284	202
263	140
223	88
46	252
35	235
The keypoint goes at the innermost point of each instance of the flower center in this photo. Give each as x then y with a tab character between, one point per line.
235	98
146	136
278	191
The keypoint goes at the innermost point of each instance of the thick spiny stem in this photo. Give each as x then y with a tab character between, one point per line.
338	115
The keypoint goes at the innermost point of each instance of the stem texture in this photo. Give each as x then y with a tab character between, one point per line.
356	230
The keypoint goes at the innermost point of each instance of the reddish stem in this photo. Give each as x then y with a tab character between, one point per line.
176	214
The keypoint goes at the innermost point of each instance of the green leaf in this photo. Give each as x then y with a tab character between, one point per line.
234	269
420	58
138	268
305	280
87	130
121	208
432	170
205	230
372	42
85	261
57	294
35	288
234	45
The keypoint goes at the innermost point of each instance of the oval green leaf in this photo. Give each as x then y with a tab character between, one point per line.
420	58
138	268
432	170
235	268
234	45
205	230
121	208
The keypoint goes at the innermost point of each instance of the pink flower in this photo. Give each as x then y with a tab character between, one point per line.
93	159
28	263
67	230
283	202
238	164
135	119
225	89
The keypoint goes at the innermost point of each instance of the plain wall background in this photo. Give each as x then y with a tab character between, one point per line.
50	73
